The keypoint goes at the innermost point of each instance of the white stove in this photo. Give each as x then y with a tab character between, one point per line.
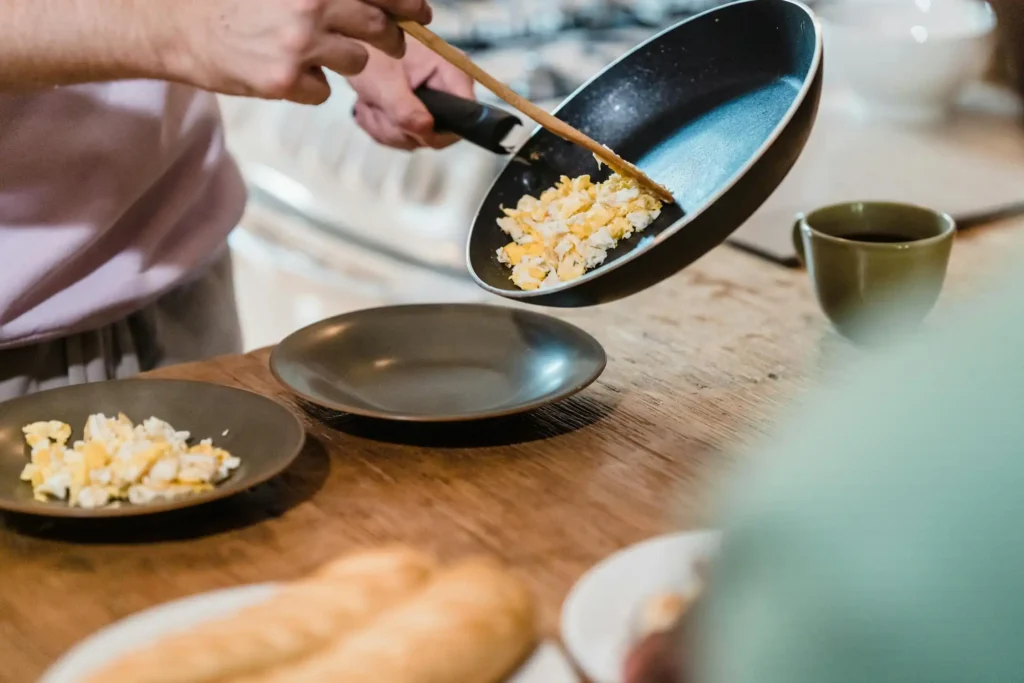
336	222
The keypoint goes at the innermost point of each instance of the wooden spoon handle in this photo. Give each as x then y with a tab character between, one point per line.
552	124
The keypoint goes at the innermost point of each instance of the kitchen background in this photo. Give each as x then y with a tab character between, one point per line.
336	222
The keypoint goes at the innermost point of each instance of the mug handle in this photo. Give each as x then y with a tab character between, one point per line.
798	239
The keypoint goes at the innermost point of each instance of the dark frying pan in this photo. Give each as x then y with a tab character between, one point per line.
716	108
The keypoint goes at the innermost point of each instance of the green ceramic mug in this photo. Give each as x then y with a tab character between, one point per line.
877	267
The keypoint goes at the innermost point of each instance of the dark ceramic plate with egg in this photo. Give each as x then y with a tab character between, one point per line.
264	435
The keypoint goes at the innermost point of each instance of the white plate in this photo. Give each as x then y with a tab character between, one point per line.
600	613
548	664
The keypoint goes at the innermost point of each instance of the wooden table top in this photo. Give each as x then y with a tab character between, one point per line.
697	367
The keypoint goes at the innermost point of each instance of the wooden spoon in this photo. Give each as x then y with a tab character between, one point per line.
524	106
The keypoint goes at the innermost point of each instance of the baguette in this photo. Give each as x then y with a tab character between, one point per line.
473	623
299	619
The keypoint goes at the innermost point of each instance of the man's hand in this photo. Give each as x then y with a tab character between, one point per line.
277	48
387	108
263	48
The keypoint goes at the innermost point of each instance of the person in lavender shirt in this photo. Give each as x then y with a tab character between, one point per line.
116	192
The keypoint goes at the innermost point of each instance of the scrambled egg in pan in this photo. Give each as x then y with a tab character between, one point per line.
120	461
571	227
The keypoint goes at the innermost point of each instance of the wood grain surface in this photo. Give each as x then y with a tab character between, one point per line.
698	367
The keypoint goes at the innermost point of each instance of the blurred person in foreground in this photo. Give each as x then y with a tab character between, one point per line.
116	192
878	538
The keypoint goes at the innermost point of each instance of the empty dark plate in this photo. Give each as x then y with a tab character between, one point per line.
438	363
265	435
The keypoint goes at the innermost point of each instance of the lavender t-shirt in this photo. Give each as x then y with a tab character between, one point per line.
111	194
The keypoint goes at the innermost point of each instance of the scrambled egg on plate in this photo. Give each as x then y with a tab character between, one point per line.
570	228
120	461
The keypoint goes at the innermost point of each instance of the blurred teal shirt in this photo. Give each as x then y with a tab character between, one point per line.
881	537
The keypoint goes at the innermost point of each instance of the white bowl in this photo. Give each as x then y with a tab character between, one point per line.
908	59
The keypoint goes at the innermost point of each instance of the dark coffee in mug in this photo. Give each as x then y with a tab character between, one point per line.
877	267
880	238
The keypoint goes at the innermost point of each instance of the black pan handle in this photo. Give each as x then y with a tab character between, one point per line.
481	124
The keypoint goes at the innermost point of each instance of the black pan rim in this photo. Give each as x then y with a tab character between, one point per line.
228	488
527	296
515	409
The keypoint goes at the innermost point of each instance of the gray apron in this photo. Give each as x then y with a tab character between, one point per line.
195	321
